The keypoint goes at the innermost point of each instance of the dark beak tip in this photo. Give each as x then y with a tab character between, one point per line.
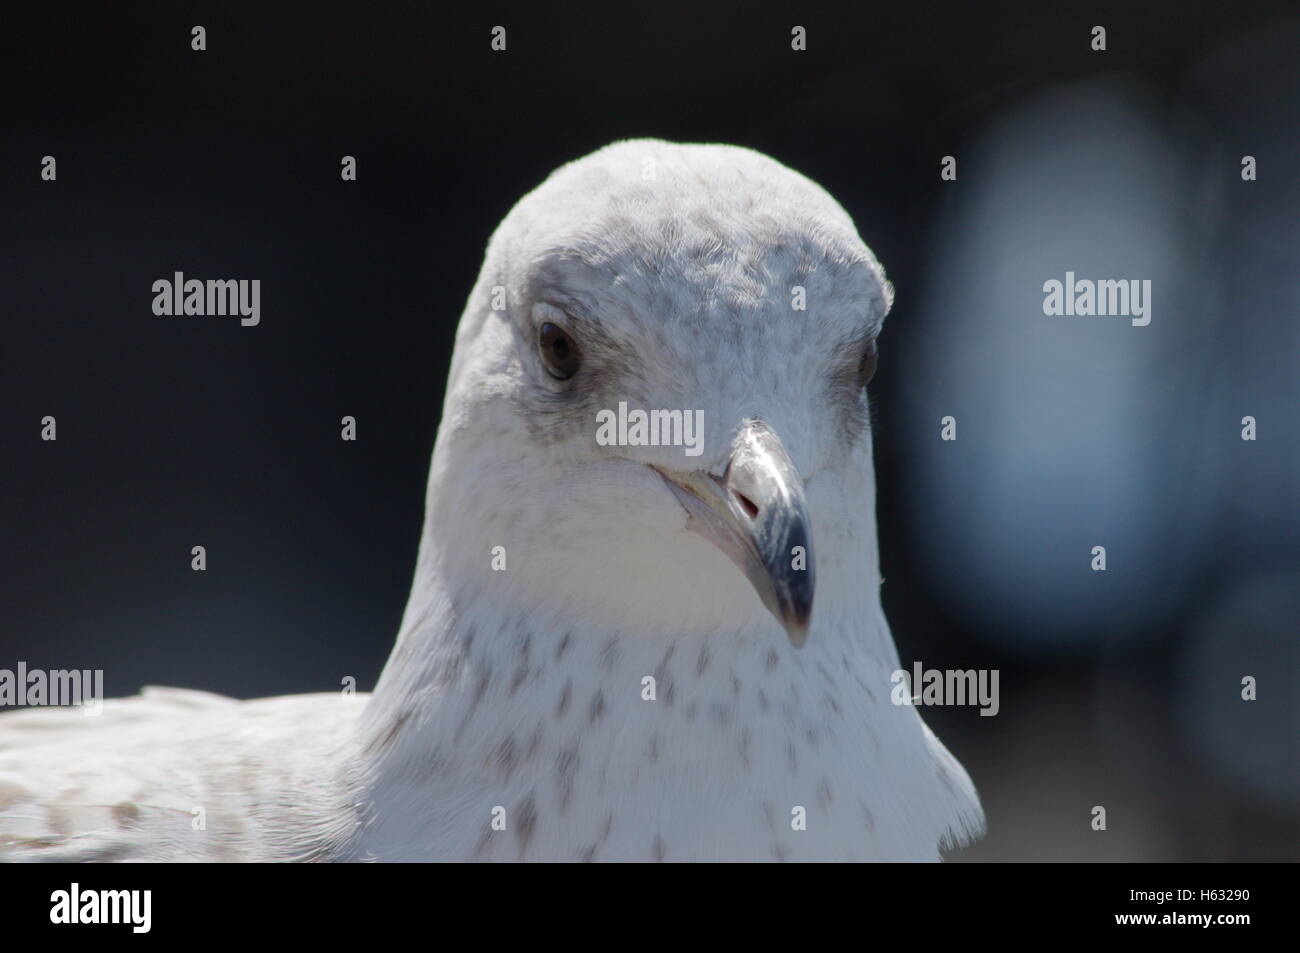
796	627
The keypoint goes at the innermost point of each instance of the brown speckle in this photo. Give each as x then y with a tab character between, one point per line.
668	655
390	735
484	679
825	794
57	821
520	674
506	757
589	854
11	794
480	689
111	854
126	814
566	771
865	687
438	762
534	742
36	843
527	824
610	655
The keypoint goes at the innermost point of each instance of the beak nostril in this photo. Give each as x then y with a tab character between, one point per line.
751	510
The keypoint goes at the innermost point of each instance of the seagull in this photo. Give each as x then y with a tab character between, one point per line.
631	649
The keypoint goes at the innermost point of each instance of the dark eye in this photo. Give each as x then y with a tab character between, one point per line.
867	366
559	351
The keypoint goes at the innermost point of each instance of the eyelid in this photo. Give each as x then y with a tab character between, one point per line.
544	312
565	313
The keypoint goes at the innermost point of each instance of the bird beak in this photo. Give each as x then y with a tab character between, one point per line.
756	514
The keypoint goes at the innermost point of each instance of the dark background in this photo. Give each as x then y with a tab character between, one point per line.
1119	689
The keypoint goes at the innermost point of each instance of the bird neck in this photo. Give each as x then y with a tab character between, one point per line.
486	706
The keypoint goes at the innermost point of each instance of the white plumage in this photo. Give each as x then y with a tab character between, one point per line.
621	690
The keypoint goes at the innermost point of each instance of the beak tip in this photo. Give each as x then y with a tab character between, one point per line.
796	627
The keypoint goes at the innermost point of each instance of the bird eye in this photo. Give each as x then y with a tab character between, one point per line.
559	351
867	366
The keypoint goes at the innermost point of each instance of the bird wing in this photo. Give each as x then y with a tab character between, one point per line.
173	774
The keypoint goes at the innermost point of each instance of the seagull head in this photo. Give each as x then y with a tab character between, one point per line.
657	409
